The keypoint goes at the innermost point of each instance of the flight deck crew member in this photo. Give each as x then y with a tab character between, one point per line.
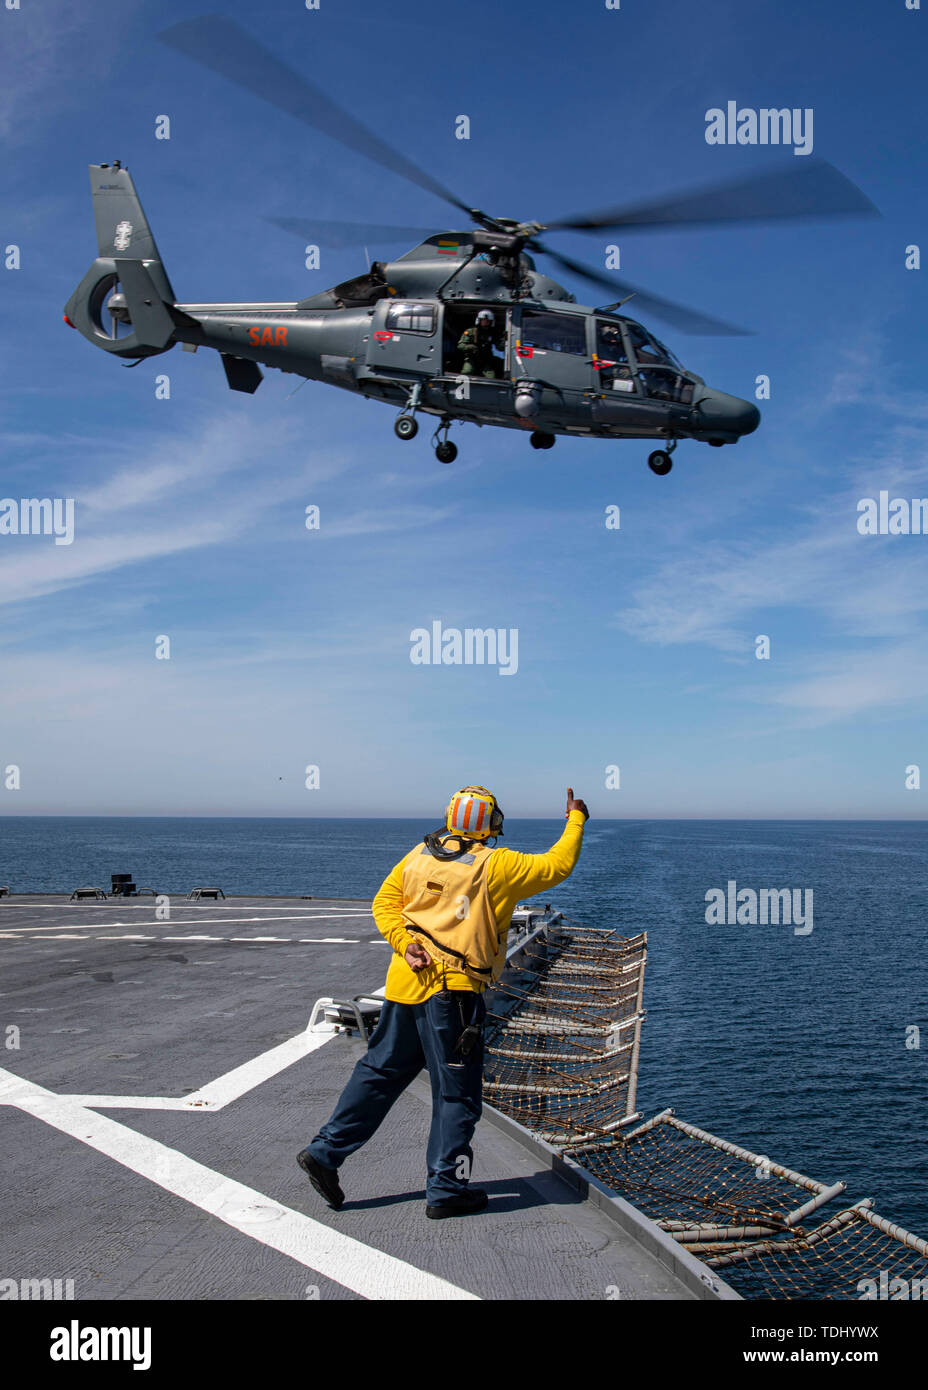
477	344
445	908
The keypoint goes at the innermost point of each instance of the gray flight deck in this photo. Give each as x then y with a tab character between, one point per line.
150	1128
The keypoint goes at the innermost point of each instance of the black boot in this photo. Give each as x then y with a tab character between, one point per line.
471	1201
324	1180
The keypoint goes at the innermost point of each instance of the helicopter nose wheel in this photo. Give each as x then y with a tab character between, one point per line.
660	461
406	426
445	451
539	440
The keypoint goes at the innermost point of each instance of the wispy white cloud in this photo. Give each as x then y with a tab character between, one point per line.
849	683
871	590
183	493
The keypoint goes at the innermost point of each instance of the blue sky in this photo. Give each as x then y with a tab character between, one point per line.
636	647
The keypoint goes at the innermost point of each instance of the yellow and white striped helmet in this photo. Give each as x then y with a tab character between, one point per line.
474	812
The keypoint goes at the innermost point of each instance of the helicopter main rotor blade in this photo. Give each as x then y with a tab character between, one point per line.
342	234
684	319
810	189
221	45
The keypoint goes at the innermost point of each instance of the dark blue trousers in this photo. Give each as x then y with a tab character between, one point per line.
407	1038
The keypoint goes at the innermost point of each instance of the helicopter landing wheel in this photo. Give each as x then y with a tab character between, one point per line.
660	462
406	426
445	451
540	440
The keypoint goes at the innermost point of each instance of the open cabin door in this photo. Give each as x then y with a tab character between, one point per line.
484	392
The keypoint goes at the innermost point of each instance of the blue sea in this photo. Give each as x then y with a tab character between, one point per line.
791	1045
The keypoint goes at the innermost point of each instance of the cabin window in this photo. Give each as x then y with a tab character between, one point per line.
546	332
411	318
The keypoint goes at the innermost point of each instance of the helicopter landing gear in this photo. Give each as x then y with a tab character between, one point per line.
660	461
539	440
406	426
445	451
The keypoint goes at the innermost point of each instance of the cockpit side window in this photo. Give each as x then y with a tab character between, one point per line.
610	345
548	332
611	359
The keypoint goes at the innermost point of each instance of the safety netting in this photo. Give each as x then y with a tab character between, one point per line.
564	1029
698	1187
563	1040
858	1255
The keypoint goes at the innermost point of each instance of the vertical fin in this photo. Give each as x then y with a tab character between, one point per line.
122	227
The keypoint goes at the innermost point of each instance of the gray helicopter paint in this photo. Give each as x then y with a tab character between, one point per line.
340	346
425	272
122	227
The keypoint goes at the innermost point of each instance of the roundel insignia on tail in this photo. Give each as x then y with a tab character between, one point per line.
122	236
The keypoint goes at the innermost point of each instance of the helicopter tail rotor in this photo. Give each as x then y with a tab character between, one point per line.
123	304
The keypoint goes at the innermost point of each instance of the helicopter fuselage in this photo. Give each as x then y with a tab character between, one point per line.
396	333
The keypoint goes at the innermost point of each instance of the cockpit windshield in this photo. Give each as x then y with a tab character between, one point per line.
650	351
669	357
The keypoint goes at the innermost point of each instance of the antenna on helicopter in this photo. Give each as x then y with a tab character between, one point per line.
611	308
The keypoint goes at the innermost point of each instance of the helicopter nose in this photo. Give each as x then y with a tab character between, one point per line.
728	414
747	417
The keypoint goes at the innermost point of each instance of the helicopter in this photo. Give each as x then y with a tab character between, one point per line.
406	331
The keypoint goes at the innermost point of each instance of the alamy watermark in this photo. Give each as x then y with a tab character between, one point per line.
747	907
38	516
878	516
77	1343
888	1287
748	125
36	1290
469	646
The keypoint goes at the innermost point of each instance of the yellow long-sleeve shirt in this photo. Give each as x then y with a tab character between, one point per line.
511	876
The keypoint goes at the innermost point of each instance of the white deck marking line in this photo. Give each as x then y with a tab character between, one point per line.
292	940
224	1089
328	940
228	1087
204	906
190	936
259	938
186	922
349	1262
